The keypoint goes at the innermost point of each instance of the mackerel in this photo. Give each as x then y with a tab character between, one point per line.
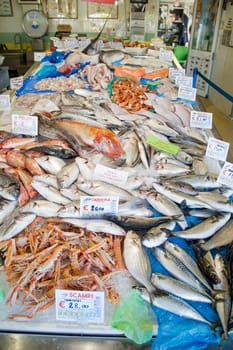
158	235
50	164
200	182
206	228
68	175
221	238
216	201
49	192
42	208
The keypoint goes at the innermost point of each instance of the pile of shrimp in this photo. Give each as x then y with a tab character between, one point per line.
130	95
60	83
50	254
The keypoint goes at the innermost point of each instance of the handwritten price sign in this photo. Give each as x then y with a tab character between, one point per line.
24	124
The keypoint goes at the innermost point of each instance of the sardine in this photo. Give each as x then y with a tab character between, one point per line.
50	164
49	192
206	228
48	179
200	182
158	235
136	260
172	304
42	208
68	175
187	260
173	286
19	223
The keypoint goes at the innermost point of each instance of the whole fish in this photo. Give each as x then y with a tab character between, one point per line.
9	187
205	262
72	193
68	175
158	235
173	286
50	164
187	260
48	179
56	151
170	170
177	269
86	168
181	187
216	201
130	146
49	192
100	139
172	304
223	296
6	208
221	238
200	182
138	223
19	223
42	208
97	225
69	211
206	228
134	207
136	260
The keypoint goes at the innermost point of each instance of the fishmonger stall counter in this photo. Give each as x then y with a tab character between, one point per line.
115	205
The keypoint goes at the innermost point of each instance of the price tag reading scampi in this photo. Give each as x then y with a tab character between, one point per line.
226	175
5	103
94	207
79	306
118	177
201	120
24	124
187	93
217	149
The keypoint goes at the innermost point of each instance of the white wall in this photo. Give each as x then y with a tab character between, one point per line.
222	73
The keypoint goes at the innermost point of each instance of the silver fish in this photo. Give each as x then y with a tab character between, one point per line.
48	179
177	269
97	225
178	288
187	260
200	182
130	146
50	164
6	208
136	260
9	187
68	175
69	211
170	170
180	186
221	238
72	193
49	192
135	207
216	201
172	304
86	168
184	157
158	235
19	223
42	208
206	228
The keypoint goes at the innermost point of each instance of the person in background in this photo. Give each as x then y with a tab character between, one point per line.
182	22
172	34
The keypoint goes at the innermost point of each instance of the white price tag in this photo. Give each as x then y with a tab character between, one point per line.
202	120
16	83
187	93
226	175
217	149
5	103
24	124
113	176
184	81
165	55
79	306
174	72
94	207
116	45
38	56
84	42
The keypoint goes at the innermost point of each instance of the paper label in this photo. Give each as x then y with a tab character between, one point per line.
38	56
79	306
202	120
116	45
184	81
217	149
174	72
16	83
5	103
24	124
226	175
113	176
162	145
165	55
84	42
94	207
187	93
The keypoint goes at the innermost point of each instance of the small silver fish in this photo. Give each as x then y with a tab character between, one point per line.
49	192
19	223
42	208
158	235
221	238
50	164
68	175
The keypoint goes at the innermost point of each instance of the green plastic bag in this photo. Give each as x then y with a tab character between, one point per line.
135	317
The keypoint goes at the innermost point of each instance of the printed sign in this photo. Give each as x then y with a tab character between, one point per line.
38	56
184	81
5	103
24	124
165	55
79	306
187	93
202	120
162	145
113	176
217	149
16	83
174	72
226	175
98	206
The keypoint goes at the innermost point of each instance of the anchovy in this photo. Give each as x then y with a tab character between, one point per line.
158	235
172	304
206	228
136	260
187	260
173	286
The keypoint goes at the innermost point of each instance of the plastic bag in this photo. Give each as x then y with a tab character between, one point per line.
135	317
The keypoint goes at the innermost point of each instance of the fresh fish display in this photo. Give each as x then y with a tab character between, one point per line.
158	235
221	238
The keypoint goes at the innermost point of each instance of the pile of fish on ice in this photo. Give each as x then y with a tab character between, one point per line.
45	176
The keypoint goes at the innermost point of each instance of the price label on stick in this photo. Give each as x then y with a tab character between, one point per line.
98	206
81	306
201	120
24	124
217	149
5	103
226	175
184	81
187	93
165	55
